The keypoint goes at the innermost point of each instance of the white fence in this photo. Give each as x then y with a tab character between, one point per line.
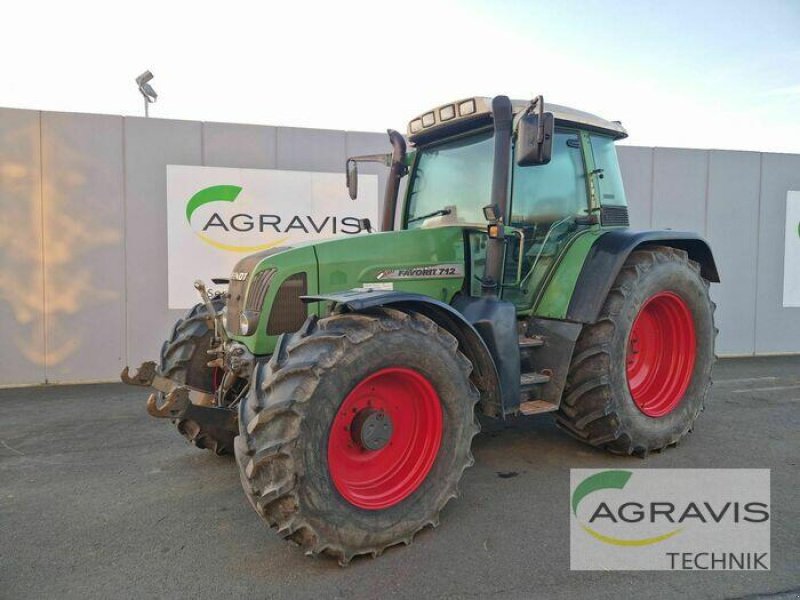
83	237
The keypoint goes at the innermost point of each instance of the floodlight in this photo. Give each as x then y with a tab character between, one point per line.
146	90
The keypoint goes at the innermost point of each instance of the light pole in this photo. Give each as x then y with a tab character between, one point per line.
146	90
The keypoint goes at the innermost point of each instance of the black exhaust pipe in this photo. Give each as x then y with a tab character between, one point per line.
396	173
502	115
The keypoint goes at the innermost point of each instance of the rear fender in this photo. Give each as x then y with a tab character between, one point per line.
609	253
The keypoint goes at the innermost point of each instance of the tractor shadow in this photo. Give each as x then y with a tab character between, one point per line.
535	441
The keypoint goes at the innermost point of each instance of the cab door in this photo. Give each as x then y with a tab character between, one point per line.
546	206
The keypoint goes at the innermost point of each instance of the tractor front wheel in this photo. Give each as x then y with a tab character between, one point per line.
355	434
640	375
184	359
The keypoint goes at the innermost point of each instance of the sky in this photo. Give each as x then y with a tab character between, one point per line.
700	74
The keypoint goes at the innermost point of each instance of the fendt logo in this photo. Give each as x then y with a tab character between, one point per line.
224	226
670	519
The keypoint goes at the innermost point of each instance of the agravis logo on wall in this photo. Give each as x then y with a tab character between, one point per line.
216	215
670	519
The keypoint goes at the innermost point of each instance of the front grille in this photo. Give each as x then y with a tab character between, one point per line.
288	311
614	216
258	289
235	299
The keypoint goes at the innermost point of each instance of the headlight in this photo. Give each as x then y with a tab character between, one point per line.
248	321
244	324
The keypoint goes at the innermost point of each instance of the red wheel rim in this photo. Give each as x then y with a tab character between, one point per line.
380	478
661	354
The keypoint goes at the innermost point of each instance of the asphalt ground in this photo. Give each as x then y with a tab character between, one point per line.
98	500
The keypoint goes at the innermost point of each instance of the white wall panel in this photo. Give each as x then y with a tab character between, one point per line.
151	145
311	149
22	354
679	189
733	193
84	251
240	146
636	165
777	328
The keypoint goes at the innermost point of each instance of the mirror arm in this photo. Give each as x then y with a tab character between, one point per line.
384	159
540	133
352	161
538	104
396	163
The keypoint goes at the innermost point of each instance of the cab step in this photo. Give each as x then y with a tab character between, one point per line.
535	407
528	380
530	342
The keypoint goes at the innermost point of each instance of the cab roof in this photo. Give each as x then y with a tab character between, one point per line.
469	113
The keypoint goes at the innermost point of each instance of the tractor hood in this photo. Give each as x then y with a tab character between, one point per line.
425	261
264	295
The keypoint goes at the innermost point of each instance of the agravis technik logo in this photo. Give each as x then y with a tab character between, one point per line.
672	519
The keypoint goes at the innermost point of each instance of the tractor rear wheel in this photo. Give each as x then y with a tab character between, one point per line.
184	359
356	433
640	375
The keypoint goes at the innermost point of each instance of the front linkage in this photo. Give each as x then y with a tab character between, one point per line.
196	387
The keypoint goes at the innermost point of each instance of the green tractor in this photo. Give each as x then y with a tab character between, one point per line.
348	375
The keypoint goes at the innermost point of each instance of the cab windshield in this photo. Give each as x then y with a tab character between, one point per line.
452	182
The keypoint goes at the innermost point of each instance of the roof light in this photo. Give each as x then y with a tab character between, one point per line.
466	108
447	112
428	119
415	125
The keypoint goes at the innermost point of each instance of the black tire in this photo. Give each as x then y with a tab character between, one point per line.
184	359
597	407
285	421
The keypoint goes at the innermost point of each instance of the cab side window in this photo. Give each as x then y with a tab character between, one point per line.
605	158
548	193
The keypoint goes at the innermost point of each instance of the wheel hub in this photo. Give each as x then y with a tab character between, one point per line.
384	438
371	429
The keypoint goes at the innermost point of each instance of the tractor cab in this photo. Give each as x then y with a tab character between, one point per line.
575	186
523	186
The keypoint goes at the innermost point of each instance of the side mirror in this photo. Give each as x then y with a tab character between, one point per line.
351	175
535	139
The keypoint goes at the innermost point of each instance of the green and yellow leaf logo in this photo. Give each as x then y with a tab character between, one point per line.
605	480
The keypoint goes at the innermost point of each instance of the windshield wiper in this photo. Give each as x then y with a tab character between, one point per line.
437	213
